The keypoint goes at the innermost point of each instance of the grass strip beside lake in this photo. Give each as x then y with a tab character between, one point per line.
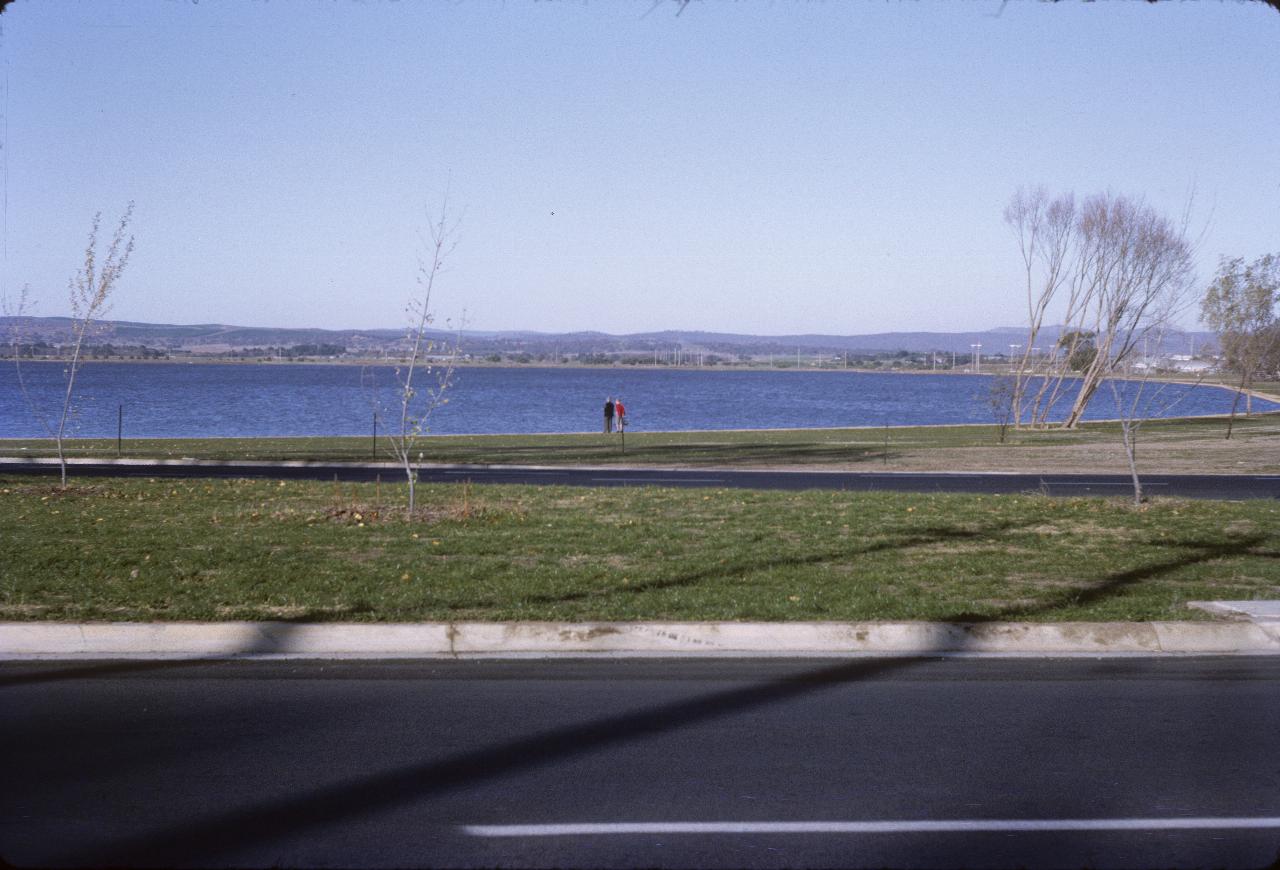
260	550
1182	445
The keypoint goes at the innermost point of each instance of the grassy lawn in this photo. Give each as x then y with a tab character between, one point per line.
1167	445
214	550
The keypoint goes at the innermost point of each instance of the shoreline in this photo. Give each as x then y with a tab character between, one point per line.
647	432
728	367
479	364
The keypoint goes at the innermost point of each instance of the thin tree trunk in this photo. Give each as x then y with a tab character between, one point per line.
1131	453
1235	403
66	401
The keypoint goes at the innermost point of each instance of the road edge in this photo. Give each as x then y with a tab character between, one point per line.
238	640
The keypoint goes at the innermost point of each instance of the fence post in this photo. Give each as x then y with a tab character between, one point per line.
374	453
119	428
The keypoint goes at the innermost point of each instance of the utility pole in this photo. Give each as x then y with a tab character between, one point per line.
977	358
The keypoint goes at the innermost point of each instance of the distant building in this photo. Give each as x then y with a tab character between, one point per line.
1178	362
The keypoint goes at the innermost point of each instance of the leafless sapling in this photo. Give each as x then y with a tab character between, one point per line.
89	293
423	377
1002	400
1143	397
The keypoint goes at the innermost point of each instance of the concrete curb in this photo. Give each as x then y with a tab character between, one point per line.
35	640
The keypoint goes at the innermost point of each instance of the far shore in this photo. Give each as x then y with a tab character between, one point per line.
995	368
506	364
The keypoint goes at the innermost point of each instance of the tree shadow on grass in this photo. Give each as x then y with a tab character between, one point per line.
1192	553
926	537
254	824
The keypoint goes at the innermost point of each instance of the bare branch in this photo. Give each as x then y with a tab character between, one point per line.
416	404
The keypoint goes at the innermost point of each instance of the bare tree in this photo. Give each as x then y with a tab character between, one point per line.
1240	305
1269	366
1136	266
1002	401
418	401
1108	265
1044	229
1141	398
89	293
18	336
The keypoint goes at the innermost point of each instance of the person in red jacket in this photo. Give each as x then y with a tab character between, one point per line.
620	412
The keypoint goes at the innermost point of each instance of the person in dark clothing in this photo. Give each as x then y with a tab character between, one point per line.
608	415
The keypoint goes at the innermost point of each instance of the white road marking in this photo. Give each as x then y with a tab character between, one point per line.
499	472
882	827
1129	484
657	480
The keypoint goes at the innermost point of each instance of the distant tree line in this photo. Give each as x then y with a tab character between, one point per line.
48	350
292	351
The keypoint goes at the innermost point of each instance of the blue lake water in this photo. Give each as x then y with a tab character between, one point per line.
189	400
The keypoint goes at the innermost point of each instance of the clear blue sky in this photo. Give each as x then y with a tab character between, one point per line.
756	166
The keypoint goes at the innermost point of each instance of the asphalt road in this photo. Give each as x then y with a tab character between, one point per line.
1215	486
1123	762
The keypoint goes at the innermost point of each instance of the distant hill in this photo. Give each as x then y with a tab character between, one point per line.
216	338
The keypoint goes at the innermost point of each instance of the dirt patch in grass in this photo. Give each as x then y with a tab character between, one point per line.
940	556
1239	527
592	560
288	612
1085	530
1008	605
1043	581
23	611
348	516
370	514
359	557
54	491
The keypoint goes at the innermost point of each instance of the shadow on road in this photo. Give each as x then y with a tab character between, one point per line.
201	840
274	638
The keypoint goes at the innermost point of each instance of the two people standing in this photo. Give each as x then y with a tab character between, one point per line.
614	410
